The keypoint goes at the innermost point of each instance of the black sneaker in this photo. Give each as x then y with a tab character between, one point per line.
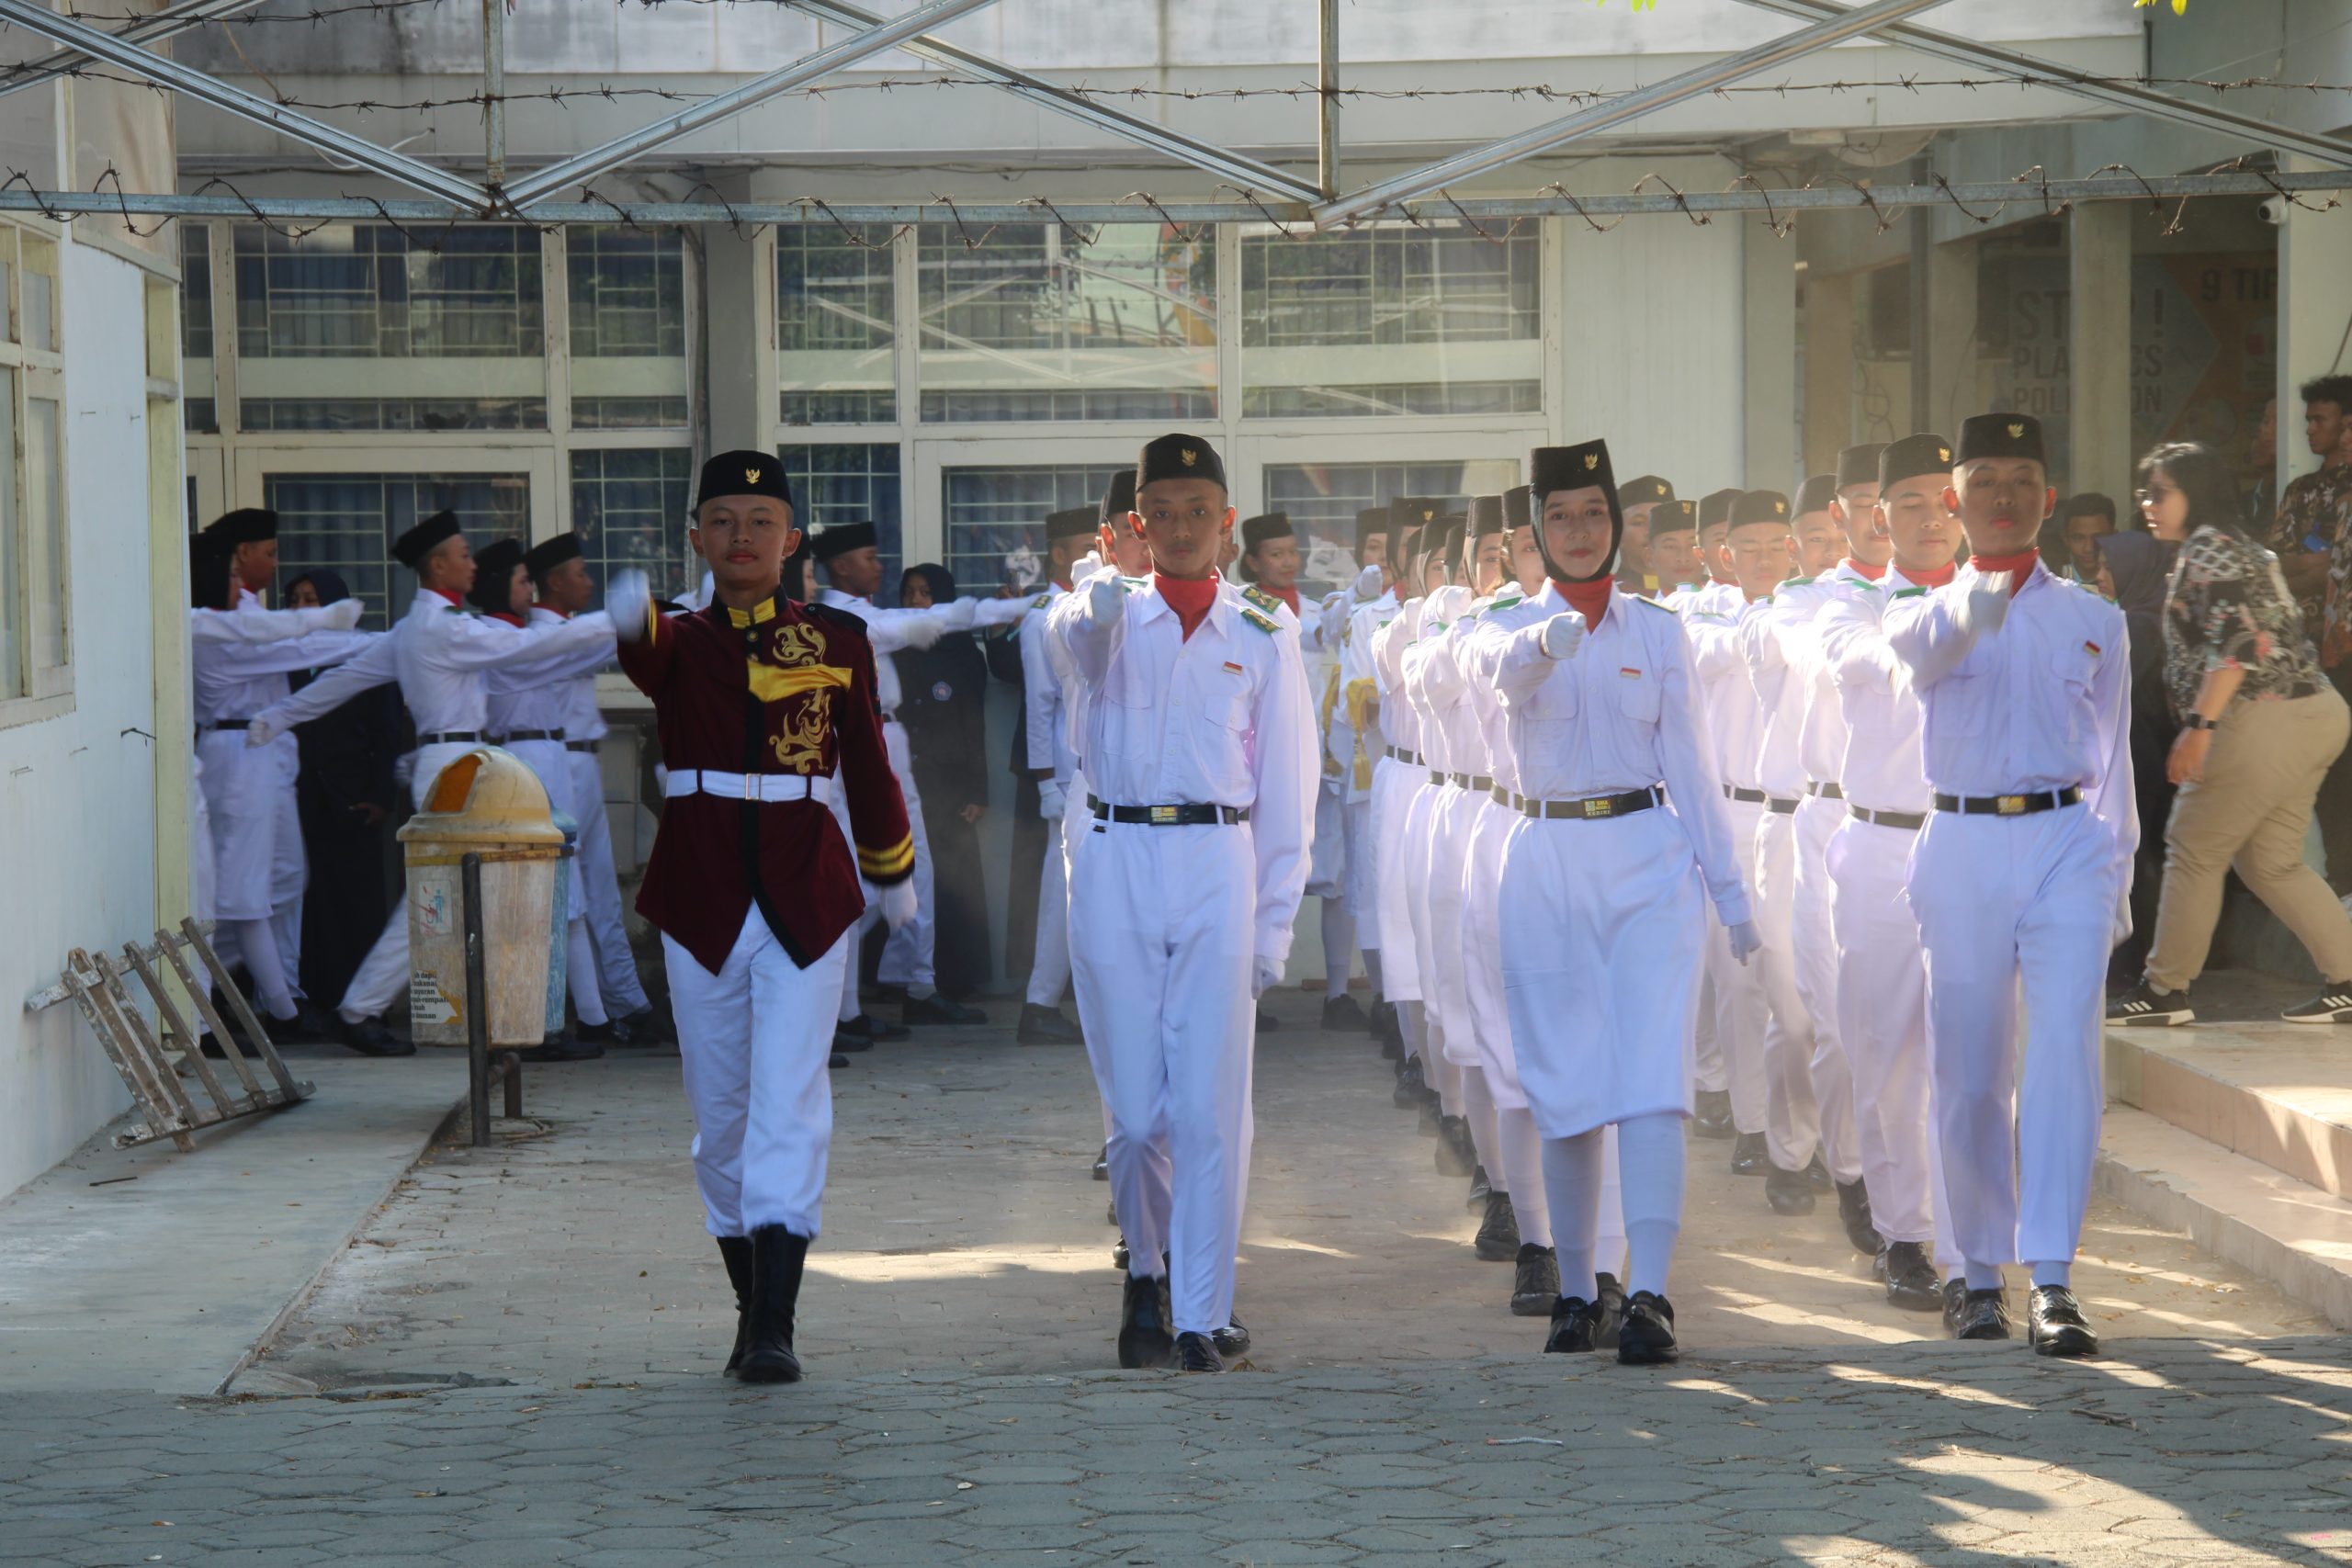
1574	1319
2145	1005
1647	1338
2330	1006
1609	1299
936	1010
1045	1026
1342	1011
1535	1283
1497	1239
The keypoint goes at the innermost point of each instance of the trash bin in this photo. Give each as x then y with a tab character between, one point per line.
487	803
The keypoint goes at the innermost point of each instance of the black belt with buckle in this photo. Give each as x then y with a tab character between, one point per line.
514	735
450	737
1752	796
1398	753
1909	821
226	724
589	746
1782	806
1596	807
1185	814
1470	781
1438	777
2010	804
1826	791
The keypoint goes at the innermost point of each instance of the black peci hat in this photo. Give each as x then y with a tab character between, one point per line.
1518	506
548	554
1647	491
1178	457
1759	506
2000	435
842	538
1118	497
1272	525
1925	453
245	525
1858	464
742	473
1485	515
1815	492
1369	520
1071	522
494	566
1672	516
1716	506
411	548
1584	466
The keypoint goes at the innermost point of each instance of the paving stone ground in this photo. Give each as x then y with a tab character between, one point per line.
515	1362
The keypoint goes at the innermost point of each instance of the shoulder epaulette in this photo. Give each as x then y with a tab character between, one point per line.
1643	599
1041	601
1907	592
1264	622
1133	584
1797	582
1506	603
1260	597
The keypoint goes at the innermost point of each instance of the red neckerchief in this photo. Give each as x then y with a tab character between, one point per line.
1589	598
1288	596
502	615
445	594
2019	566
1935	578
1190	598
1864	569
1060	584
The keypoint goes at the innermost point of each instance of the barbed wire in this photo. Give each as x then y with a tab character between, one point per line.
311	14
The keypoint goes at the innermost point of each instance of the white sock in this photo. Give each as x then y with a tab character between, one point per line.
1339	947
1372	968
259	945
1982	1276
1650	1158
1572	1181
1609	1228
1478	1107
1521	1174
2054	1274
580	974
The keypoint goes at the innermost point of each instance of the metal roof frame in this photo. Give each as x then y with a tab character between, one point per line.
163	24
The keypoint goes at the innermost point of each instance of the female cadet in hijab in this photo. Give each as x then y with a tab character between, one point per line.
2134	567
943	706
345	795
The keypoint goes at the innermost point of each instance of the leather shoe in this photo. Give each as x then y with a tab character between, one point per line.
562	1048
649	1026
2055	1325
1197	1353
873	1028
1392	1034
1102	1164
1456	1155
935	1008
1045	1026
1267	1025
1573	1322
1748	1155
370	1038
1647	1338
1497	1238
612	1032
1788	1191
1342	1011
1375	1017
1911	1282
837	1060
1144	1340
1535	1283
1854	1214
1609	1301
1119	1255
1481	1184
1712	1114
1816	1172
1407	1093
1233	1339
1955	1299
850	1041
777	1257
1983	1316
736	1251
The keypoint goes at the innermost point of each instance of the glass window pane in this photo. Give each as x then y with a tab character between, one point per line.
1047	321
45	532
359	326
629	328
629	509
996	518
198	411
1322	501
36	282
1390	320
12	548
851	482
835	340
347	523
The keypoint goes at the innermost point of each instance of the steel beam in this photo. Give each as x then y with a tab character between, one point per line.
163	24
1249	173
493	93
1327	85
711	111
1980	198
2066	79
205	89
1631	106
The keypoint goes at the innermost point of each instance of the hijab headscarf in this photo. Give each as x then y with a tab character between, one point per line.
2140	564
941	581
331	587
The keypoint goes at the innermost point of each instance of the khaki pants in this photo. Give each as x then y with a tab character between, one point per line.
2250	811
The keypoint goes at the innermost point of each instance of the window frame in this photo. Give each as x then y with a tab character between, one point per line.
38	374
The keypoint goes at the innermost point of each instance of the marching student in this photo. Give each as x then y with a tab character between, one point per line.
1348	746
1674	547
1047	734
2022	874
1639	500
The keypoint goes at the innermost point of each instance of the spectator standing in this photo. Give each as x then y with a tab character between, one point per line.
2260	725
2133	568
943	706
2086	520
2308	527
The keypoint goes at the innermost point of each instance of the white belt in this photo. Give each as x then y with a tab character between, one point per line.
747	786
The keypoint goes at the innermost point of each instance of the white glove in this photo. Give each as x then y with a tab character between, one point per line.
1051	800
899	903
261	729
1744	943
627	597
959	614
1368	584
1265	973
1088	566
1986	605
1105	600
342	616
923	630
1562	634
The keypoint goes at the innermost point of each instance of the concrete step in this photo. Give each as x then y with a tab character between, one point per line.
2240	1210
2278	1093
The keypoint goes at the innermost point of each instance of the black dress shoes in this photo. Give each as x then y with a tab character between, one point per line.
612	1032
1102	1164
1197	1353
1817	1172
562	1048
1481	1184
736	1252
1267	1025
1343	1012
1119	1255
1911	1282
1045	1026
935	1008
1573	1320
1609	1300
1788	1191
1407	1093
1748	1155
1955	1302
1535	1283
1456	1155
2055	1325
370	1038
1711	1118
777	1257
649	1026
1144	1340
873	1028
848	1039
1392	1034
1983	1316
1233	1339
1497	1238
837	1061
1375	1018
1647	1339
1432	1121
1854	1214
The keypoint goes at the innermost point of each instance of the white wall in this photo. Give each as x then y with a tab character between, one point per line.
77	809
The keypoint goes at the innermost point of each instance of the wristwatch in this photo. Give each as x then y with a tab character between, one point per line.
2197	721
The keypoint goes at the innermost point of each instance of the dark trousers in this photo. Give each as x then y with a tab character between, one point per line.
2334	807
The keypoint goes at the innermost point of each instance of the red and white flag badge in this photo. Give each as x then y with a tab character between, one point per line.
1237	668
1628	671
2092	648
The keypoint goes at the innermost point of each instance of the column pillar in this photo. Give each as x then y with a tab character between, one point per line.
2314	303
2098	343
1828	368
1769	316
1953	392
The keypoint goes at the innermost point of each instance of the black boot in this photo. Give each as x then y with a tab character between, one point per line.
1144	1340
1713	1119
1197	1353
737	1251
1647	1338
1573	1322
1497	1238
1854	1214
1456	1155
1911	1282
1609	1301
777	1257
1788	1191
1044	1026
2055	1325
1749	1157
1535	1285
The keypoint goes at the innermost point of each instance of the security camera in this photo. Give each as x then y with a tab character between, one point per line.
2273	210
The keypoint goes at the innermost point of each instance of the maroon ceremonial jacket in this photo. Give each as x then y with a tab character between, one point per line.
783	688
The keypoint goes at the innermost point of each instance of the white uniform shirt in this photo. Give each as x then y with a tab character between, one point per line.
1359	681
235	678
541	690
1734	714
1803	735
1220	718
1399	722
1432	678
1486	700
1881	767
1045	708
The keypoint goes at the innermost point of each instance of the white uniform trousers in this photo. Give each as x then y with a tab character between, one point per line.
1817	959
382	975
1327	861
2002	899
1049	968
1741	1013
1160	934
552	765
1489	1014
1362	882
1714	1075
1793	1117
1393	785
753	1040
289	865
607	927
906	954
1404	895
1070	834
1453	813
1883	1020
